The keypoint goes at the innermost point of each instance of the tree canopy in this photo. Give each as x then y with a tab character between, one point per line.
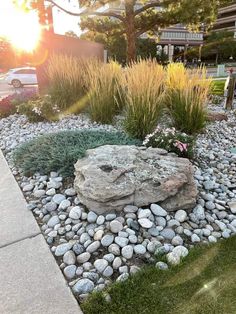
221	44
142	17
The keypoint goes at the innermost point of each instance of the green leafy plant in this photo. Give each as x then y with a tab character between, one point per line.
103	91
187	94
171	140
216	100
40	109
60	151
142	90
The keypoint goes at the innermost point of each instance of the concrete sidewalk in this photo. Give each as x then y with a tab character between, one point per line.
30	279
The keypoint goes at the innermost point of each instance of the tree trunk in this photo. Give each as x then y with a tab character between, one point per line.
130	30
131	47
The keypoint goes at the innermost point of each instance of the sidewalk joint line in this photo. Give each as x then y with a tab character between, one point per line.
22	239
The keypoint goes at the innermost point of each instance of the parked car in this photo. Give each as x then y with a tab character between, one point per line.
19	77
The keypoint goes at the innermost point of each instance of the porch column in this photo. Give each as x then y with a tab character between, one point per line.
170	52
185	52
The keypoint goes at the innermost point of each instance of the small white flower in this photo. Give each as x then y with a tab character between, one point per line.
37	110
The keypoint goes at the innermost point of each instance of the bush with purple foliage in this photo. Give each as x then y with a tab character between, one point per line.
8	105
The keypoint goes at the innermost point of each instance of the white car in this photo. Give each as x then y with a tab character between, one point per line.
19	77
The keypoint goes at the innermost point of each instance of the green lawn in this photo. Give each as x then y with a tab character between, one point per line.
204	283
218	87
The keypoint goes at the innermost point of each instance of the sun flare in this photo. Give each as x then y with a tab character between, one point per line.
20	27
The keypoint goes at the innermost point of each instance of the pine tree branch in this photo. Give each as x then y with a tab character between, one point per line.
87	12
146	7
157	20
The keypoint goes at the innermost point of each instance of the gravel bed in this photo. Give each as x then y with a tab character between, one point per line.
16	129
94	251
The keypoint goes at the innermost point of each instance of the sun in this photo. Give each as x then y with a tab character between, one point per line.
20	27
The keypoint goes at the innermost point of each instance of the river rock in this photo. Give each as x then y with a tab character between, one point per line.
181	215
83	286
100	265
115	226
232	206
127	251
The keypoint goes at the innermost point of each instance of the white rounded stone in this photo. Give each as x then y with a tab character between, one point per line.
127	252
115	226
100	265
158	210
145	223
84	257
181	215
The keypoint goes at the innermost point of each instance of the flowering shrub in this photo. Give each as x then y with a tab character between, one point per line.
171	140
40	109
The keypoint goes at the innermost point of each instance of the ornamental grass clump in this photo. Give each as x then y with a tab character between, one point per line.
67	83
142	90
102	85
186	98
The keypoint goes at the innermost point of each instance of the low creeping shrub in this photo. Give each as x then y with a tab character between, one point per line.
60	151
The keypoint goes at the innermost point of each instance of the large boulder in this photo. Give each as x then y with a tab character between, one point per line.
110	177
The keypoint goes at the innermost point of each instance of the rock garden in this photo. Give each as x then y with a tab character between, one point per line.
117	187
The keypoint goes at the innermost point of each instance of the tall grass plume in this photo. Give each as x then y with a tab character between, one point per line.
102	82
186	100
67	78
142	90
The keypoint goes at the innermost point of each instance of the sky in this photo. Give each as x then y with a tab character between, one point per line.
64	22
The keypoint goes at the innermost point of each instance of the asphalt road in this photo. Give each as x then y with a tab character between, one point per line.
6	90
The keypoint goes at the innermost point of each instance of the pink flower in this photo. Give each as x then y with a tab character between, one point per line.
184	146
181	146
